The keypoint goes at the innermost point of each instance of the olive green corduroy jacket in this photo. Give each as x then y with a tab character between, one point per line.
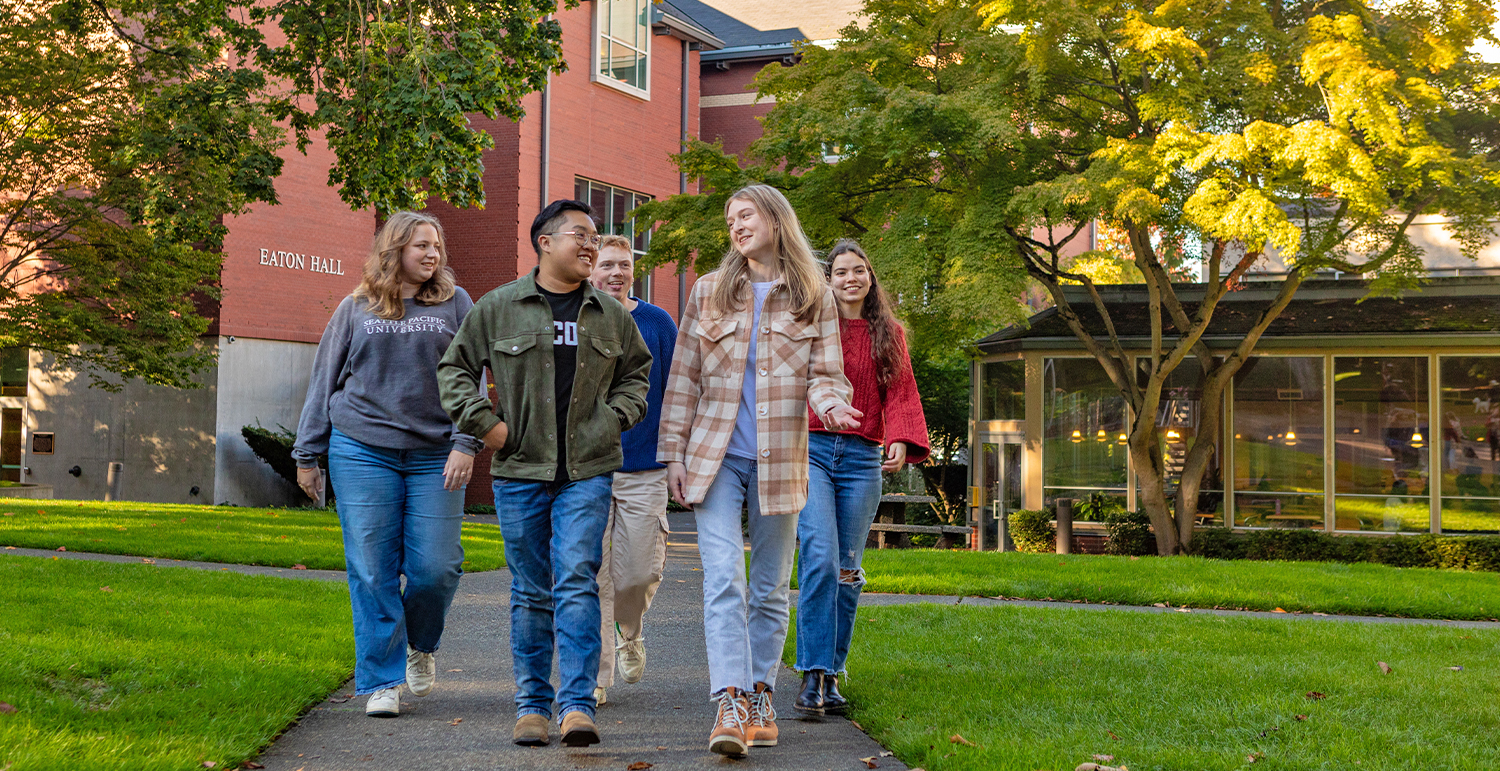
510	331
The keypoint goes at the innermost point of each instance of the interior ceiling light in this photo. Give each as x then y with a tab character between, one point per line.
1416	440
1077	435
1291	438
1101	436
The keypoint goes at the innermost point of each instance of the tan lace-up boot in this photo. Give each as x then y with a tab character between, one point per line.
728	736
761	730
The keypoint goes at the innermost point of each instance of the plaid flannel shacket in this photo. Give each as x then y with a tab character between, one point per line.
797	365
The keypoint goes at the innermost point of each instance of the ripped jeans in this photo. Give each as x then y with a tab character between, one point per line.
842	496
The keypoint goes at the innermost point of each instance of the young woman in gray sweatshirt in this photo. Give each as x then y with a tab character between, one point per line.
397	465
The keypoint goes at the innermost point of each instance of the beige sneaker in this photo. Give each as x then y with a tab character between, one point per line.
385	702
761	730
531	731
728	736
632	660
578	729
421	672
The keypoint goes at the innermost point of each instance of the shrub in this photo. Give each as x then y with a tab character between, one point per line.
1129	533
275	448
1459	552
1097	507
1032	531
479	510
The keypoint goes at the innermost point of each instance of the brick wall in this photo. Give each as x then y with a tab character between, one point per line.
280	278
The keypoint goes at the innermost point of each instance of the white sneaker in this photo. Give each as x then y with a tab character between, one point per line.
421	671
599	699
385	702
632	660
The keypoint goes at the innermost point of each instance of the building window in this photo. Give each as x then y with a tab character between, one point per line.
1084	422
1469	394
611	206
1278	443
14	371
1381	441
623	45
1002	390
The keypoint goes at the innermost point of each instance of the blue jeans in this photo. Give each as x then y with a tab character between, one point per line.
842	497
553	539
744	624
397	520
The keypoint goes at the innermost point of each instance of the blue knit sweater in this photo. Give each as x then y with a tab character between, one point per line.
660	334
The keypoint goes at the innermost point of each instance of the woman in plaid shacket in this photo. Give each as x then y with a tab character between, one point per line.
758	346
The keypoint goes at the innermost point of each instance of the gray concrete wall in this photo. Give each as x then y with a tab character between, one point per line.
265	381
163	436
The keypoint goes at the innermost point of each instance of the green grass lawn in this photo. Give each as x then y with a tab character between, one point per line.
1049	689
1361	589
136	667
276	537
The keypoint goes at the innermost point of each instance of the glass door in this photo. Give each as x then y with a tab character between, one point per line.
998	487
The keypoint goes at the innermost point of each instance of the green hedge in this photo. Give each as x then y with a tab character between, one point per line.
1469	552
1032	531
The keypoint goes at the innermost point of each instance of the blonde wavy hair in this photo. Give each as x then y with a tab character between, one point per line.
381	285
794	257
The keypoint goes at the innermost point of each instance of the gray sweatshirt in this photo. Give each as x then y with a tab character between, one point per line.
376	380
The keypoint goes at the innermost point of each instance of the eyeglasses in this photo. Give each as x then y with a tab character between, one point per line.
583	239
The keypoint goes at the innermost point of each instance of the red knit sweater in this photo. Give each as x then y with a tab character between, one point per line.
897	419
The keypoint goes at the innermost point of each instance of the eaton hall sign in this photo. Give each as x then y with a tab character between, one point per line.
294	261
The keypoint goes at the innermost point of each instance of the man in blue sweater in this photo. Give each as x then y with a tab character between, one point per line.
635	540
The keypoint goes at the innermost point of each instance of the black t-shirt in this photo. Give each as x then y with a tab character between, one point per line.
565	309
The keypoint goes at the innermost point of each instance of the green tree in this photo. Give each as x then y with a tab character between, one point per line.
1314	132
130	128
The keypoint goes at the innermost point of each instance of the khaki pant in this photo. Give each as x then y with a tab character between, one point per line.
635	551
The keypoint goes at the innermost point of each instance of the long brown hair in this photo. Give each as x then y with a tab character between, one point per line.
794	257
381	285
885	328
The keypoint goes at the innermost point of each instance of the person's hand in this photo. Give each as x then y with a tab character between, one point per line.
457	470
677	482
842	418
895	457
311	481
495	439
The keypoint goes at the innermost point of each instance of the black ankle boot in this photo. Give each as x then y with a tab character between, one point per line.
833	701
810	700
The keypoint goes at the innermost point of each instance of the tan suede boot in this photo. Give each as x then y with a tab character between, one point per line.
531	731
578	729
761	730
728	736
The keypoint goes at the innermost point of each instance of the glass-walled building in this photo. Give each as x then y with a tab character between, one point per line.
1354	416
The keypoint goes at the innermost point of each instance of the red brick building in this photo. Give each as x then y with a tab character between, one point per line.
641	77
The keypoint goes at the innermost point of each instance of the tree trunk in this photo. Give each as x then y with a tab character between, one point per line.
1152	489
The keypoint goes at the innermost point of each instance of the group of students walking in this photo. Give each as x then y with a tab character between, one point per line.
785	393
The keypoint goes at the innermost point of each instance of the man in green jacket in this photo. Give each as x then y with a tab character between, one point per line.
570	372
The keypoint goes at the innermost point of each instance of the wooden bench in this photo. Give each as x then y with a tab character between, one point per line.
890	528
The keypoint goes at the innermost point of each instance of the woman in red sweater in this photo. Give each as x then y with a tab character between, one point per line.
844	475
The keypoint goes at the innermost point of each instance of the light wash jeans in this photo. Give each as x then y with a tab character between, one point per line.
397	520
843	494
552	546
745	627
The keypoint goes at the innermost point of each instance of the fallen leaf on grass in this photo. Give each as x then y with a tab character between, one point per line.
856	724
105	589
1457	669
148	560
10	513
340	699
1315	695
209	764
1104	758
1097	767
1158	605
184	519
10	547
6	708
1384	667
639	765
1112	735
62	548
299	567
887	754
248	763
869	762
455	721
1300	718
1277	610
1254	757
959	739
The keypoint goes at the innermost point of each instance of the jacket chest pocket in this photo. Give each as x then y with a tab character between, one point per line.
597	367
512	359
716	344
791	347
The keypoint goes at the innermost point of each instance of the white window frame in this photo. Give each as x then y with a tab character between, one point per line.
601	33
643	283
